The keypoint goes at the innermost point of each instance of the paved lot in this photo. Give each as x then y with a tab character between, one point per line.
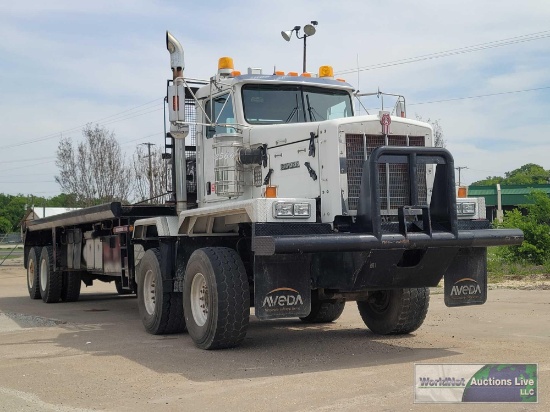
94	354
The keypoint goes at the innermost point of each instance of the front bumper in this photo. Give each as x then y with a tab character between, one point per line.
357	242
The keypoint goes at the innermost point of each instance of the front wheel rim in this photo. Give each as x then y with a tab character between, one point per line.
149	292
199	299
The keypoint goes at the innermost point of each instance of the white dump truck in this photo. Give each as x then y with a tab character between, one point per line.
284	201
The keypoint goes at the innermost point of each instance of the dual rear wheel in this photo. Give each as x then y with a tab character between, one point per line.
216	298
49	284
160	309
214	306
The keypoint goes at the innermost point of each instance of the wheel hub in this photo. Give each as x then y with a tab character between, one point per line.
379	301
149	292
199	299
43	274
30	274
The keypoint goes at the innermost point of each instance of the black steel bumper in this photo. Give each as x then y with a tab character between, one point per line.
355	242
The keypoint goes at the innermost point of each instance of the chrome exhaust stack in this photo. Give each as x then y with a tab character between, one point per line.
176	55
179	129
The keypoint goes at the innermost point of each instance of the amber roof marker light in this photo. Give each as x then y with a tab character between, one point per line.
309	30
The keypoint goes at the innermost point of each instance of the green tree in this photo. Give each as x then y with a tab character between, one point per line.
529	174
14	211
489	181
5	225
63	200
14	207
536	229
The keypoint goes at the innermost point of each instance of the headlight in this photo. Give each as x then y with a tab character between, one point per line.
469	208
463	208
282	209
301	209
289	209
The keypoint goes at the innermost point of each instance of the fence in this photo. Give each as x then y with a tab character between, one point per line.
10	238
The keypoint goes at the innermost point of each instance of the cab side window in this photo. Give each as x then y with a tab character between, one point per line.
221	113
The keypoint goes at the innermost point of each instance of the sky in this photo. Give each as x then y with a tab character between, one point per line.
480	68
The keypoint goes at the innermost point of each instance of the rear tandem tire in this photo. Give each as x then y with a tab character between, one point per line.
216	298
324	311
70	291
161	312
51	282
395	311
33	273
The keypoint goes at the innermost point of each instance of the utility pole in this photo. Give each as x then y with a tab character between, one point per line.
459	168
150	171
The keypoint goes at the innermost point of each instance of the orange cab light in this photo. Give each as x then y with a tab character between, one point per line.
279	73
341	80
292	74
271	191
462	191
225	63
235	73
306	74
326	71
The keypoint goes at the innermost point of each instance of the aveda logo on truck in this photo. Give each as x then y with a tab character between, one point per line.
465	287
282	298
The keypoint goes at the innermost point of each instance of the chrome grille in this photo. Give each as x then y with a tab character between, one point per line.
397	174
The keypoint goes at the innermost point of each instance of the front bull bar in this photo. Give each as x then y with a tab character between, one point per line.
439	226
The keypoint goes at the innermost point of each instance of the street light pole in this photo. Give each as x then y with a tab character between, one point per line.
459	168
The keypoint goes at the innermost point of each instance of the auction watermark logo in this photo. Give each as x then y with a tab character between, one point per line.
489	383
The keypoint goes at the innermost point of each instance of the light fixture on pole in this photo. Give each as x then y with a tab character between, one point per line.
309	30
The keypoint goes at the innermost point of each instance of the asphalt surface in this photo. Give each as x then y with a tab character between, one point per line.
95	355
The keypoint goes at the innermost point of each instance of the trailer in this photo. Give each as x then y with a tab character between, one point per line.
284	201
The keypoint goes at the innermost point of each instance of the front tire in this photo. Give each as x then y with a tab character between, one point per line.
51	282
161	311
216	298
33	273
395	311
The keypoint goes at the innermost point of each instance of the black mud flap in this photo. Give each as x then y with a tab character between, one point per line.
282	286
466	278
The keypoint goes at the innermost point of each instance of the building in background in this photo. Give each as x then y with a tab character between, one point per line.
511	197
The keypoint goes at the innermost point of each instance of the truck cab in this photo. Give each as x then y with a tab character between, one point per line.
313	144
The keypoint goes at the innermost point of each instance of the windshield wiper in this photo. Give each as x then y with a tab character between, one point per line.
293	112
309	110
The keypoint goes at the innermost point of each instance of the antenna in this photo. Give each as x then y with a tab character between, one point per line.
358	88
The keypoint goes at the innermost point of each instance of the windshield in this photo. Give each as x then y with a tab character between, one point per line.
275	104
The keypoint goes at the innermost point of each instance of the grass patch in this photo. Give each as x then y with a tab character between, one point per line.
499	270
2	257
